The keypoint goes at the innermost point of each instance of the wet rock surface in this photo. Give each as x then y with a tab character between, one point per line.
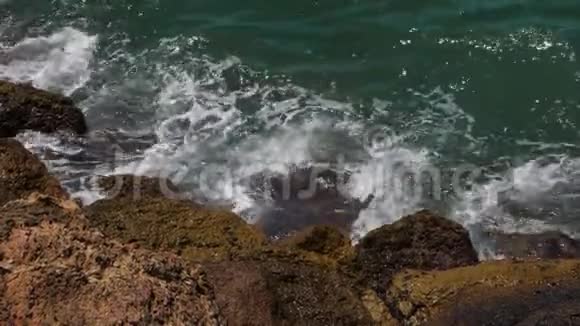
23	107
304	197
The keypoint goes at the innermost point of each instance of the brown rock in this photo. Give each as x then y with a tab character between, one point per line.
494	293
242	293
17	214
277	290
420	241
56	272
21	174
55	269
23	107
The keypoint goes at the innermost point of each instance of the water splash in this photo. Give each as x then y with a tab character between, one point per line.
58	62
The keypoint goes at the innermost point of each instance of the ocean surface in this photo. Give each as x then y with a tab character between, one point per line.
211	92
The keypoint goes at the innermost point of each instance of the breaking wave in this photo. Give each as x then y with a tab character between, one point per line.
209	125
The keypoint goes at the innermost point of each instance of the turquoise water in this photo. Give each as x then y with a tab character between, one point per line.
257	85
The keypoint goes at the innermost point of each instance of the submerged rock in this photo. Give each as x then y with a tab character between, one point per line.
307	196
23	107
55	270
547	245
558	204
419	241
495	293
21	174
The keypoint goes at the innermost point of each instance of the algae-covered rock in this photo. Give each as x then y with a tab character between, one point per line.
193	231
377	309
325	240
57	271
494	293
23	107
22	173
419	241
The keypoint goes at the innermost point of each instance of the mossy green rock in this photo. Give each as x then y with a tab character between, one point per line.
23	107
197	233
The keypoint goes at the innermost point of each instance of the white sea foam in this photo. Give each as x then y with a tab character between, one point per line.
58	62
204	140
533	197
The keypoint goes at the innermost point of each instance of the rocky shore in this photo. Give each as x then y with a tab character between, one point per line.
157	260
